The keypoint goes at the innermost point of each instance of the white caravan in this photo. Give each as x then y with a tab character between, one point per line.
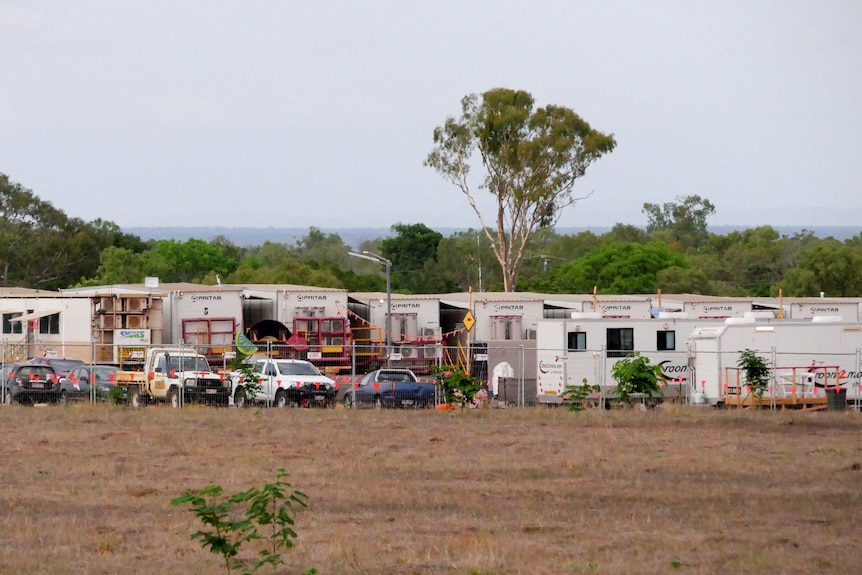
806	357
586	346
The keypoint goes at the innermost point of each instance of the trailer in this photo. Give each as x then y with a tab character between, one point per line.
808	359
584	348
204	317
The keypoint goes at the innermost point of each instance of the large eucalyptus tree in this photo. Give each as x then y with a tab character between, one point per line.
531	157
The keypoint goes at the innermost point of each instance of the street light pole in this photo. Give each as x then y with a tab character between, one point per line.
366	255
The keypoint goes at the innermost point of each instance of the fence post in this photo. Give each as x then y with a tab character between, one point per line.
521	379
352	390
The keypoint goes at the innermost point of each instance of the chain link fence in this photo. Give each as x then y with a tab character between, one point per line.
512	373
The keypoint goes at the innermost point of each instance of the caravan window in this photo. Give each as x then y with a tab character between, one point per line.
665	341
10	326
621	341
49	324
577	340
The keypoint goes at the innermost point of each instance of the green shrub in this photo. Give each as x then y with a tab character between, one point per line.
635	376
756	371
456	385
226	529
246	377
118	395
576	396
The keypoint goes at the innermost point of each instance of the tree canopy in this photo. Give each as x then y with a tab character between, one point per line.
684	220
532	159
41	247
411	250
615	268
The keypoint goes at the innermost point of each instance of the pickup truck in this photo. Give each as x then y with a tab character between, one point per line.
391	388
285	383
174	375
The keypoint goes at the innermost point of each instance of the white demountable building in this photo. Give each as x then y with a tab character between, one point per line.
806	358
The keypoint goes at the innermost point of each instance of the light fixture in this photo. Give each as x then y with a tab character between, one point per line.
366	255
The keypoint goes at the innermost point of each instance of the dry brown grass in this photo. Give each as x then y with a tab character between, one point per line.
87	490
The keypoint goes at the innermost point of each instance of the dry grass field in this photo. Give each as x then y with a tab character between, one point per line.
87	489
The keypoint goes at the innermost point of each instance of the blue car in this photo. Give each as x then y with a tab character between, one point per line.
391	388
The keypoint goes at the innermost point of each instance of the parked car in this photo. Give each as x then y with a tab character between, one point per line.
286	383
29	383
82	380
391	388
61	365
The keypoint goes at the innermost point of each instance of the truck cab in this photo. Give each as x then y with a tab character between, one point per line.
175	376
284	383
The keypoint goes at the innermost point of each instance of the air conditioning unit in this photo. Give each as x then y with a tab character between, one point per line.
110	322
432	352
135	322
531	334
106	304
408	351
136	304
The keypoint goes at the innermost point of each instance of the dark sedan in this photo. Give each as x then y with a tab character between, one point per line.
88	382
61	365
30	383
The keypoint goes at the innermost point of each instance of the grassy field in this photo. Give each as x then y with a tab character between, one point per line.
87	490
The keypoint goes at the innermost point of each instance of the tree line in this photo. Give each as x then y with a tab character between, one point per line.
41	247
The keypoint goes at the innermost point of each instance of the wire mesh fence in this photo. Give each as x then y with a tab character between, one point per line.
511	374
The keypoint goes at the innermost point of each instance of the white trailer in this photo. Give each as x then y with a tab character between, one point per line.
808	308
586	346
806	357
205	317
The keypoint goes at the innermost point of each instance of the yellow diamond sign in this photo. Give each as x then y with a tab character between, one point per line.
469	320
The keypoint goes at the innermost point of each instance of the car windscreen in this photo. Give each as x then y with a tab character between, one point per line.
65	365
189	363
40	372
296	368
394	376
105	373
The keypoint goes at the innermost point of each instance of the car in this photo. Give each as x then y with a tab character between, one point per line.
61	365
30	383
391	388
83	380
286	383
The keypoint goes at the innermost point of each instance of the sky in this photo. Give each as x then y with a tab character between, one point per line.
300	114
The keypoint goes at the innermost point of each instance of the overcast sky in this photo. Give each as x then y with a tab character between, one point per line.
299	114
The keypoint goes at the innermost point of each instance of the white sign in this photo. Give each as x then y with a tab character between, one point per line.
127	337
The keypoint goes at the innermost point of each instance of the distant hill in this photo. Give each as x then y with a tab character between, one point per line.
247	237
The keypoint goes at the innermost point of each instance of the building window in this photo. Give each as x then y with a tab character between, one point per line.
577	340
50	324
405	326
10	326
507	327
621	341
665	340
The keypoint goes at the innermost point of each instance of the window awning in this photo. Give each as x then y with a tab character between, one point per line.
35	315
